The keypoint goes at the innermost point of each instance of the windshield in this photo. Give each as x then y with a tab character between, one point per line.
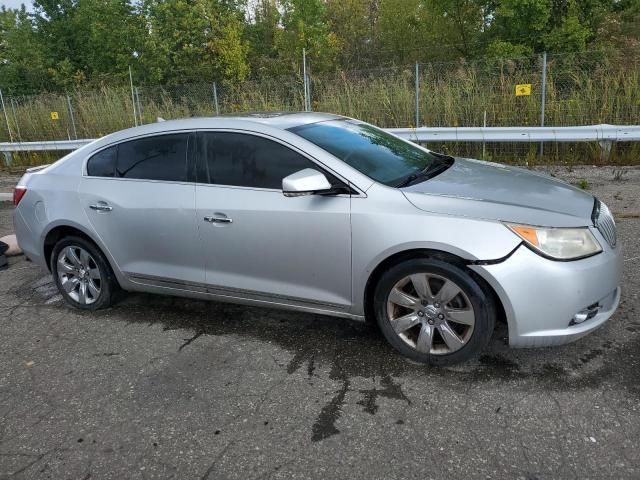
374	152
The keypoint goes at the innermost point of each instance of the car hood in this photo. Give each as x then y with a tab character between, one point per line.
493	191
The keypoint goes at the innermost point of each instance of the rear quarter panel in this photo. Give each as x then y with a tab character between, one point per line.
51	201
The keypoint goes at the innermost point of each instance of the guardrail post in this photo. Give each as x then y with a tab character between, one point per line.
605	149
8	158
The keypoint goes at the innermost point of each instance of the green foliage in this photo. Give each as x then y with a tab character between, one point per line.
22	57
503	49
64	44
304	26
583	184
193	41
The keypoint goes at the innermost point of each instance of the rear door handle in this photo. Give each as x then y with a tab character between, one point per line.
212	219
101	207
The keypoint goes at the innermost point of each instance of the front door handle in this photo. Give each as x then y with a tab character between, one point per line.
212	219
101	207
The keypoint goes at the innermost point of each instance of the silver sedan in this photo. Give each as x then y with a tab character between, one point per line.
325	214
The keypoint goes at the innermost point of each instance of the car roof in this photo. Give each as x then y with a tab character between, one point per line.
280	120
285	120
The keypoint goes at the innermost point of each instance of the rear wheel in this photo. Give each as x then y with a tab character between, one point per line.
433	312
82	274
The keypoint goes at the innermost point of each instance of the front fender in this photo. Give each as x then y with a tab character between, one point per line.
386	223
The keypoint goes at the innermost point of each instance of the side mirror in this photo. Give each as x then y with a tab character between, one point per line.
305	182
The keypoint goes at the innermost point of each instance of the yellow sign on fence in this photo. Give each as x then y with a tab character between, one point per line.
54	116
523	89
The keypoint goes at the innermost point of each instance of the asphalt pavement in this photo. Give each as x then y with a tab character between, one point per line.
161	387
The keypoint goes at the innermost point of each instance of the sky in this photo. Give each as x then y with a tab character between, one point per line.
15	3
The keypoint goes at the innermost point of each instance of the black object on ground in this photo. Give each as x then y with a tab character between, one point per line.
3	260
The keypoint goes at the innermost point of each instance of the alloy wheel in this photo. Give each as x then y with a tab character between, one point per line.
431	313
79	275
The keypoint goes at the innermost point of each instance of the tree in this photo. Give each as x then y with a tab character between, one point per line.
112	33
194	41
23	65
403	32
261	32
354	24
87	41
520	24
304	25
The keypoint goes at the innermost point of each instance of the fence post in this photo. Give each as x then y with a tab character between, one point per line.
139	106
307	93
215	98
6	117
543	94
133	98
73	120
417	95
15	119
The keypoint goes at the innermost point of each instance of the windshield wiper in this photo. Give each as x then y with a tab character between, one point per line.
431	170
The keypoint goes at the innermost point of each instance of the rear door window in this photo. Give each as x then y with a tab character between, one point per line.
161	157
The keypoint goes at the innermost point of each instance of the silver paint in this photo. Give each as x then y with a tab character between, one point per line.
315	253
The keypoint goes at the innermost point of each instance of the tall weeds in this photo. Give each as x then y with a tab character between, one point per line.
581	89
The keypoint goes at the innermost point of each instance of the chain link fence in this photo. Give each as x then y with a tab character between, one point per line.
581	89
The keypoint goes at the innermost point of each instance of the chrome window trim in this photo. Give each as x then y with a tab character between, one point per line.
360	191
90	155
286	145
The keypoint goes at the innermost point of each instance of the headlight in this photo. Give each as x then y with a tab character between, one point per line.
558	243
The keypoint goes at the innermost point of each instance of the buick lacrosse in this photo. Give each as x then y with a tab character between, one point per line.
330	215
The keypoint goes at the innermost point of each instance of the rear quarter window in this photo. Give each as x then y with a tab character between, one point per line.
103	163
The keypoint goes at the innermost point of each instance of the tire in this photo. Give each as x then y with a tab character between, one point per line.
452	320
89	267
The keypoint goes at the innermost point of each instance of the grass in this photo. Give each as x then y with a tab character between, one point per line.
583	184
581	89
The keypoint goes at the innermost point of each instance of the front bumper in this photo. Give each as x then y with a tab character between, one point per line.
541	297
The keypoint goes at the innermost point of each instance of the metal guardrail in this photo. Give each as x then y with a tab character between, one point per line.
588	133
43	146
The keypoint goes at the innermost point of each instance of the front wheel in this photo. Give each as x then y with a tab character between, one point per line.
433	312
82	274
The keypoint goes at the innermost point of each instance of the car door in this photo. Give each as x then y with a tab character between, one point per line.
259	244
140	202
